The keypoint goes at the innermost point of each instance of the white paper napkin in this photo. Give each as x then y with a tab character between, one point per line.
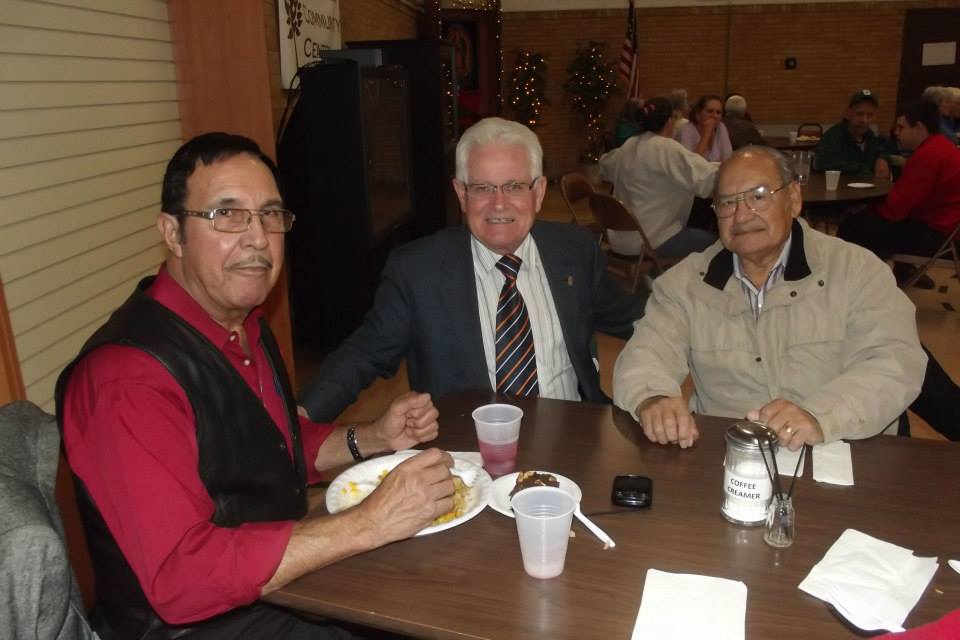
871	583
832	463
954	564
787	462
679	606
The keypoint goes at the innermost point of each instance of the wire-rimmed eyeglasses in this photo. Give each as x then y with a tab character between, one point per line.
513	188
757	199
233	220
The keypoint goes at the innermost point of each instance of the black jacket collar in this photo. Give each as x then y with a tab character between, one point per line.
721	267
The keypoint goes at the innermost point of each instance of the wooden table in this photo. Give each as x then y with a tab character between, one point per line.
815	192
468	582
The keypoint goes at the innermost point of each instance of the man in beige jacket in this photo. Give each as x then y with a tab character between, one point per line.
776	322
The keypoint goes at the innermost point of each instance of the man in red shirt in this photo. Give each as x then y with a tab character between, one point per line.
923	207
181	429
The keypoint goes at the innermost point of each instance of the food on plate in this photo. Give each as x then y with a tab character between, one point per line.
355	493
527	479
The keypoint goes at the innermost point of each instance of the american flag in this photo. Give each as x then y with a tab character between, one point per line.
628	55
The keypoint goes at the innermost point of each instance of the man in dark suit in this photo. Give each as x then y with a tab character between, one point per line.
504	303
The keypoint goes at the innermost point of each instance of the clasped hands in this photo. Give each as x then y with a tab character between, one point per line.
667	420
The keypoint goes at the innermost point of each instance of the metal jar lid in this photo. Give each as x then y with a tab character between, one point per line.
749	435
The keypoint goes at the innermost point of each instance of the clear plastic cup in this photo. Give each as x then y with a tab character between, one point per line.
832	180
543	515
498	432
801	165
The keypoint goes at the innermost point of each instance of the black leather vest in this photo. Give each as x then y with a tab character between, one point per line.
243	459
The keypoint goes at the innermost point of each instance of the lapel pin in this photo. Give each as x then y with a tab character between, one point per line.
569	281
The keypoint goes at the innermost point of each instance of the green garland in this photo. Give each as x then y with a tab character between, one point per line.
590	83
529	83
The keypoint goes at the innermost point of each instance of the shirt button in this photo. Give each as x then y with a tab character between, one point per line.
283	447
246	362
793	294
759	359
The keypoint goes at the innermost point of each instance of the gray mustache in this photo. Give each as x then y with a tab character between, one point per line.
255	261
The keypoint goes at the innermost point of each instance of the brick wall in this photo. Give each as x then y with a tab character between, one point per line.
839	48
359	20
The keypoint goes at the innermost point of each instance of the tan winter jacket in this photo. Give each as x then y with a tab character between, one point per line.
836	337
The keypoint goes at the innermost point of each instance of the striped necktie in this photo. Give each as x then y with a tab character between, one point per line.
516	360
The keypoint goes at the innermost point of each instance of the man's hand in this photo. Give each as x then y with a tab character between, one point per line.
881	169
416	492
793	425
409	420
668	421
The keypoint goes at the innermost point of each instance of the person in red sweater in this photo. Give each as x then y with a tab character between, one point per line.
923	207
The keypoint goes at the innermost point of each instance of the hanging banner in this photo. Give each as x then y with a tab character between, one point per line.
307	28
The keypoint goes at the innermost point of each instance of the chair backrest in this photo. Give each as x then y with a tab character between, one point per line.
614	216
45	601
574	187
810	129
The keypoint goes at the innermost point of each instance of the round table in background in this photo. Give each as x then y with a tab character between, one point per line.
815	192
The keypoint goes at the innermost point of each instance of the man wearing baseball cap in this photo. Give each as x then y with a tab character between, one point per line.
851	145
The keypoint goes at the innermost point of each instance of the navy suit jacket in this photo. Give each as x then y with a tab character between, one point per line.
425	309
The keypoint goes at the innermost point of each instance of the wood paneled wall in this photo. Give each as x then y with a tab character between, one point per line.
88	119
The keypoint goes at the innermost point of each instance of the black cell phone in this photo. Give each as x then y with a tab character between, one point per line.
632	490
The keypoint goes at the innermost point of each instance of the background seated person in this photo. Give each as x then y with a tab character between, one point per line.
851	146
739	126
628	123
181	429
657	179
438	300
947	100
776	322
923	207
681	110
706	134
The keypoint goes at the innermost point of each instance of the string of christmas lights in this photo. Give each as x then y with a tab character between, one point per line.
529	83
590	82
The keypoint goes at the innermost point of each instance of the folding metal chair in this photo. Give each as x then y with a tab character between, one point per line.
575	188
614	216
941	258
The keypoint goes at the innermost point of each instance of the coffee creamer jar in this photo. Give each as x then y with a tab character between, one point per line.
746	483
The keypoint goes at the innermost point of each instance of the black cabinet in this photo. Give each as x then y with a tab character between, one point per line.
366	161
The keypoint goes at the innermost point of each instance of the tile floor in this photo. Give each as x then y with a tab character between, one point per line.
938	320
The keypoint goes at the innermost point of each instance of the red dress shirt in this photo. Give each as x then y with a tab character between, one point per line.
129	435
929	188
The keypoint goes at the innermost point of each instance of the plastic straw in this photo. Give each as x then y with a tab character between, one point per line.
796	470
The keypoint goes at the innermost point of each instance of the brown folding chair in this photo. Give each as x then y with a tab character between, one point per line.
810	129
614	216
941	258
575	188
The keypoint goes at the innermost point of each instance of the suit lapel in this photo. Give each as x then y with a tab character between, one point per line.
562	277
458	293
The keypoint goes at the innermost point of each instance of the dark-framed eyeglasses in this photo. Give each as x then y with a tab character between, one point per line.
509	189
233	220
757	200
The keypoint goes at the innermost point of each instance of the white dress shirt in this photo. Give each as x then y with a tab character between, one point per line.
656	178
554	370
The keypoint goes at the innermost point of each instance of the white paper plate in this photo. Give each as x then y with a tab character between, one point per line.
366	476
502	486
860	185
